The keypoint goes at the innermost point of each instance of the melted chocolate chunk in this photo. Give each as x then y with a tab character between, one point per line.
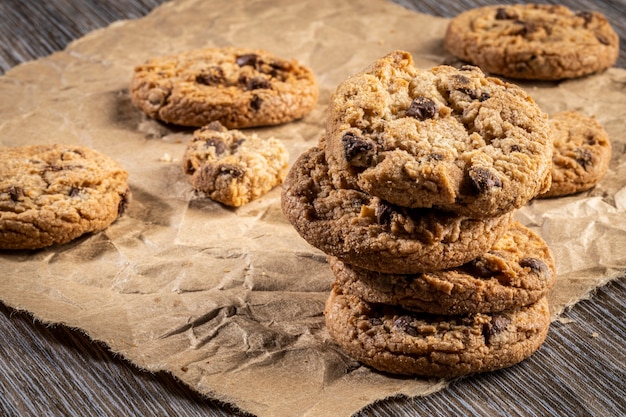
358	152
483	180
384	212
258	82
124	202
603	40
211	76
247	59
215	126
74	191
526	29
231	170
481	268
15	193
497	325
256	102
422	108
586	16
503	14
584	157
515	148
375	321
404	323
219	145
534	264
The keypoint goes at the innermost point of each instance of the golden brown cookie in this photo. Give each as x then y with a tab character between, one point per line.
233	167
239	87
446	138
533	41
366	231
390	339
517	271
52	194
582	152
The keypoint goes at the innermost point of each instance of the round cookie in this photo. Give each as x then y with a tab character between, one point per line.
398	341
533	41
517	271
238	87
52	194
582	152
232	167
445	138
366	231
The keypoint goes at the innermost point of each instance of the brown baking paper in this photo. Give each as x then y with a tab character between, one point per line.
227	300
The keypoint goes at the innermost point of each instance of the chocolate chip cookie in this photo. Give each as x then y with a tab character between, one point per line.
533	41
517	271
582	152
232	167
52	194
239	87
391	339
369	232
446	138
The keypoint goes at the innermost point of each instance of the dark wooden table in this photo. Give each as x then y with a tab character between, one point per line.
56	371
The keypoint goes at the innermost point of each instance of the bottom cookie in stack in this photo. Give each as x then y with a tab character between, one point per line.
488	314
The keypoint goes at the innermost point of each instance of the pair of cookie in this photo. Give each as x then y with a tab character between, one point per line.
221	90
410	193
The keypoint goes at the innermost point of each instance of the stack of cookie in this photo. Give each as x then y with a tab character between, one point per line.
411	193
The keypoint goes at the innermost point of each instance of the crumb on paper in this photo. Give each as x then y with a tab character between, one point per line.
167	158
565	320
595	335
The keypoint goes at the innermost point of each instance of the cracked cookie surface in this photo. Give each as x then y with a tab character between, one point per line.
234	167
533	41
446	138
517	271
390	339
368	232
52	194
582	152
239	87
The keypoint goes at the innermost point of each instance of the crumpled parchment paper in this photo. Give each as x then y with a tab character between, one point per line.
228	300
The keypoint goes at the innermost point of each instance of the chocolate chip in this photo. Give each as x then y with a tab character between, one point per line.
257	82
534	264
483	180
584	157
586	16
247	59
15	193
503	14
211	76
215	126
74	191
422	108
602	40
124	202
359	152
497	325
375	321
384	212
219	145
484	96
256	102
481	268
591	139
515	148
404	323
526	29
231	170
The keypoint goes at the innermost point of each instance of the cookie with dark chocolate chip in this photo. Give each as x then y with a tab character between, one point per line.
444	138
582	152
391	339
233	167
52	194
516	271
239	87
533	41
368	232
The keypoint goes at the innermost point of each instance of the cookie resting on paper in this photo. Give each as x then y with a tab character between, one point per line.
238	87
52	194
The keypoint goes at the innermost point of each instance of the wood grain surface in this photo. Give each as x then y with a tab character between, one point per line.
57	371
